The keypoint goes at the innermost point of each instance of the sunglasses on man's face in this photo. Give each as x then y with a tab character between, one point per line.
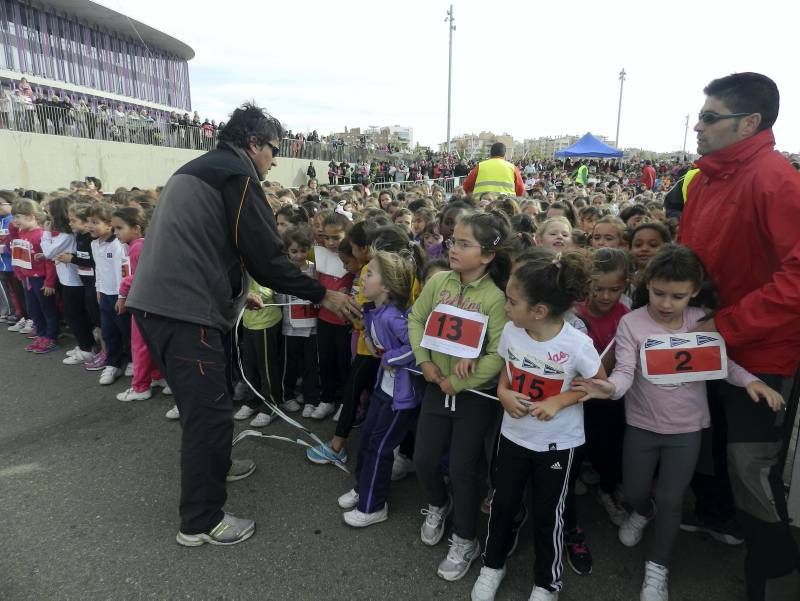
710	117
275	150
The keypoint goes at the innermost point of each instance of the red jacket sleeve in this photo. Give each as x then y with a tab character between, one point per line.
469	183
775	307
519	184
127	281
50	275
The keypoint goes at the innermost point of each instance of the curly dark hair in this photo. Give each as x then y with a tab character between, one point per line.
251	124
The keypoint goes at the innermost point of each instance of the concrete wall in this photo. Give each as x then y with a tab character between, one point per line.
44	162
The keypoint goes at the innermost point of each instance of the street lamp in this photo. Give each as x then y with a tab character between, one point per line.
685	134
451	28
622	75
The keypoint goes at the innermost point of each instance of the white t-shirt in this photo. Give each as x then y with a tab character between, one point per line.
549	366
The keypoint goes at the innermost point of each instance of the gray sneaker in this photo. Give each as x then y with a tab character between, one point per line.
433	527
230	531
240	469
459	558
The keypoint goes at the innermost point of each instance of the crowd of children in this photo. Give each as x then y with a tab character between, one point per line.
489	323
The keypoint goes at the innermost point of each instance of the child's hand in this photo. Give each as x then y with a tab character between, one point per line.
545	410
512	402
465	368
120	306
64	258
758	390
431	372
48	291
593	388
446	386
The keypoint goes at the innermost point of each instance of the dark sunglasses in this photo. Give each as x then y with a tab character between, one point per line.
275	150
709	117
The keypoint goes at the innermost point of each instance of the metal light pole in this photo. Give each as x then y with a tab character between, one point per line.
451	27
622	75
685	134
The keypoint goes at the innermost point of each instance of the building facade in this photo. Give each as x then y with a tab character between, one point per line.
82	49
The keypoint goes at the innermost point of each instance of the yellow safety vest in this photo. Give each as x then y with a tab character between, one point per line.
687	179
495	175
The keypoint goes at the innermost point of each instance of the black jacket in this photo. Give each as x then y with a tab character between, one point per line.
212	226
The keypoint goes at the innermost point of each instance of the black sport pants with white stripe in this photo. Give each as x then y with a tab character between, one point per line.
549	473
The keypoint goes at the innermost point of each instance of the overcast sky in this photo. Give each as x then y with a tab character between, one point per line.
528	68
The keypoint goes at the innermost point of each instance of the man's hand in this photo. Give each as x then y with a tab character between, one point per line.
48	291
342	304
759	390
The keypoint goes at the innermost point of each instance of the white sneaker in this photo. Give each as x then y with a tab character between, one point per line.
338	413
72	351
173	413
262	420
616	514
78	357
132	395
631	532
110	375
17	326
290	406
542	594
165	389
348	500
459	558
129	370
244	413
308	410
323	410
27	327
359	519
656	583
432	528
485	587
401	467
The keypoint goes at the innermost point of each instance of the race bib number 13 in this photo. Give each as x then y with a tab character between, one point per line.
679	358
455	332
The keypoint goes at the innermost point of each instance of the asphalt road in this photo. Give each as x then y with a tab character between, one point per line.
89	493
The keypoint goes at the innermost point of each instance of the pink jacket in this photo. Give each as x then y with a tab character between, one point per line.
134	250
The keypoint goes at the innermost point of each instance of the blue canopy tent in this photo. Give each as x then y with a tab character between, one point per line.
591	147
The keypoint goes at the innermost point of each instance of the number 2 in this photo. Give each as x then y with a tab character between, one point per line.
454	333
683	358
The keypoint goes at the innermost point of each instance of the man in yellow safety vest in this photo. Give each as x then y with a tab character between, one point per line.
495	174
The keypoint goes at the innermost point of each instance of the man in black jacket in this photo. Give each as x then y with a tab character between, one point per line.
211	231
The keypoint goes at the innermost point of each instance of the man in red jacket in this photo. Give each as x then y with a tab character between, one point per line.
741	218
648	175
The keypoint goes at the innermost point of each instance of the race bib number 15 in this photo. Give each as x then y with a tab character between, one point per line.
455	332
534	377
679	358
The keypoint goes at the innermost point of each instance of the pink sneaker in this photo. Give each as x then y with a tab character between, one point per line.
37	342
46	346
96	364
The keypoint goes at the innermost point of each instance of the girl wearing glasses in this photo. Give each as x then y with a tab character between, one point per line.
454	328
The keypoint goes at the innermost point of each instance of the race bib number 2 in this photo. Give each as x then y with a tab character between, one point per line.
680	358
455	332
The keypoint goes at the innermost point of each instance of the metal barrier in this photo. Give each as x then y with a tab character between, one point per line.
448	184
323	151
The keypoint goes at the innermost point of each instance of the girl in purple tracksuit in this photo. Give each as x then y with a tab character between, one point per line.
394	405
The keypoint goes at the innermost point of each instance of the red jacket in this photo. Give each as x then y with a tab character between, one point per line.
25	245
742	218
648	176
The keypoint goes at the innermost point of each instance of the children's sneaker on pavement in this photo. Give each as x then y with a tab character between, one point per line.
656	583
16	326
401	467
97	363
485	587
240	469
290	406
230	531
324	453
28	327
132	395
78	357
616	513
47	346
245	412
72	351
110	375
323	410
459	558
359	519
262	420
173	413
542	594
578	555
308	410
631	532
348	500
432	528
32	346
165	389
728	533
